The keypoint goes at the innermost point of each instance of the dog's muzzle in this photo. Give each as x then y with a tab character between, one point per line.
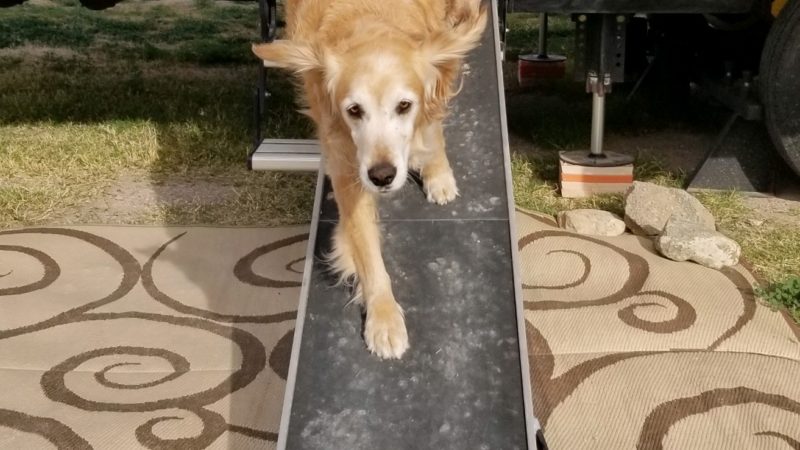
382	174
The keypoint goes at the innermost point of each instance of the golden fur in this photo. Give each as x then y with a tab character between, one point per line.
375	76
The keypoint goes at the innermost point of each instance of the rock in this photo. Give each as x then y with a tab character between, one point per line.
649	206
682	241
592	222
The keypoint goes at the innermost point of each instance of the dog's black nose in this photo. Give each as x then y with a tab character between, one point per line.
382	174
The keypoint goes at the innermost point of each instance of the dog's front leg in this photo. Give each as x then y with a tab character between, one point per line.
437	176
357	247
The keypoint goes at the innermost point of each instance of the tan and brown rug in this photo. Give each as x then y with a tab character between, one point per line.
133	337
146	337
633	351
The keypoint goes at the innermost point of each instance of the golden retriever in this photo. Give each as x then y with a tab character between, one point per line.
375	76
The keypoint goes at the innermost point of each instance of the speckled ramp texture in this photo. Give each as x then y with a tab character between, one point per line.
633	351
460	384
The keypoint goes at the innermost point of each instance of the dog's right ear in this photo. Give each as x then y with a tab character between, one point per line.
290	55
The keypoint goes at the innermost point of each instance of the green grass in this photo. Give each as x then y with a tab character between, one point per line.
208	34
771	248
523	35
262	198
80	126
784	294
87	96
536	185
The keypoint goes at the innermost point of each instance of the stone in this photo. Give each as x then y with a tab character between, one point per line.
648	206
689	241
592	222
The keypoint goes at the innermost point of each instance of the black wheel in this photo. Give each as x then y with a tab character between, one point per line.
780	84
670	41
9	3
98	5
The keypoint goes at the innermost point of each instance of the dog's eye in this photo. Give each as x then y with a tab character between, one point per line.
403	107
355	111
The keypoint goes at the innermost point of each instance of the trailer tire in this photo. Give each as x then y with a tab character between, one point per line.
10	3
98	5
780	84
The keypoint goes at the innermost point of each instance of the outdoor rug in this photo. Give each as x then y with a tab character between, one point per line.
148	337
633	351
131	337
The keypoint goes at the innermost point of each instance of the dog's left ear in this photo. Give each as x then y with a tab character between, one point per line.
444	50
455	43
295	56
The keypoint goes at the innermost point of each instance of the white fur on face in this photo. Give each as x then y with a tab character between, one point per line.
381	134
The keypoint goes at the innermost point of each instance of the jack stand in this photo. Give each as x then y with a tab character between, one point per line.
601	60
597	172
533	67
596	156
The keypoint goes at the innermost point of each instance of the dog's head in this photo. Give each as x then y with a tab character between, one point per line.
382	89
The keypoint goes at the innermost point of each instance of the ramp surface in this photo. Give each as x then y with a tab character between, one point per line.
460	385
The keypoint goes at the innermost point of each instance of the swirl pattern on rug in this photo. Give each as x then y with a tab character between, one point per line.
139	337
629	350
161	338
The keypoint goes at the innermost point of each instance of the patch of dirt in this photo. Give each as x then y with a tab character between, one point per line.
774	210
182	6
44	3
675	149
135	196
29	51
191	72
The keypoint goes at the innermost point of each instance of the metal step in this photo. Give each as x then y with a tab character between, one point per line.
301	155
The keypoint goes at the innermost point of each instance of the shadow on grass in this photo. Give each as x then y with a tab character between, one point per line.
199	32
83	88
166	120
557	114
203	115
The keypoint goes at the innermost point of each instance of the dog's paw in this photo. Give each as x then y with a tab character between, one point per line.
385	330
440	188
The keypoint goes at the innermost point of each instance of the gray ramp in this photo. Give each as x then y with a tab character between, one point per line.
464	381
